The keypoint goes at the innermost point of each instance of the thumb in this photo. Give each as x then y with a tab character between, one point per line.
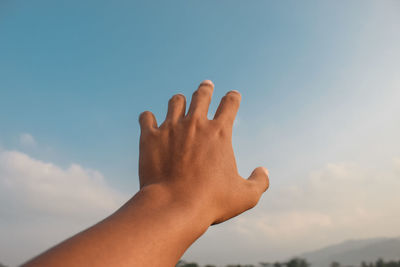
259	180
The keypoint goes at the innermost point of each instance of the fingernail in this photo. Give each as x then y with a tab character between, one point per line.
235	92
207	82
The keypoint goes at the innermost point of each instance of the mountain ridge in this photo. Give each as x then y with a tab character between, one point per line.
352	252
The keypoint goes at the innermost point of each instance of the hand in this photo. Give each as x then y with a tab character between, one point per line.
191	157
188	179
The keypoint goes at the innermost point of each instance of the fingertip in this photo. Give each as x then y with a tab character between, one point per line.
228	107
176	108
147	120
261	174
233	97
207	83
178	96
144	115
265	170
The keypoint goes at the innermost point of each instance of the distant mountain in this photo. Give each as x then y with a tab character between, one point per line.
353	252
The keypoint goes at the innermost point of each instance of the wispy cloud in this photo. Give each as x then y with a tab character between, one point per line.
26	139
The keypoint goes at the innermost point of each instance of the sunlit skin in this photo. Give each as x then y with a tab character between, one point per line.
188	181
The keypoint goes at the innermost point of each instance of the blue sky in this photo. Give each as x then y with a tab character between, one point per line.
319	81
76	75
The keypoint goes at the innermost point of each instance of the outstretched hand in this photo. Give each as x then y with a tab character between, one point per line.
188	181
191	158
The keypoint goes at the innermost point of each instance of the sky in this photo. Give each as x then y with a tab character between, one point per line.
320	109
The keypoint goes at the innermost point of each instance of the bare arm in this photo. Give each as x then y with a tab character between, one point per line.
188	181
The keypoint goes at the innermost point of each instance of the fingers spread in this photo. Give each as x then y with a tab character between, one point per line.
147	121
176	108
228	107
201	99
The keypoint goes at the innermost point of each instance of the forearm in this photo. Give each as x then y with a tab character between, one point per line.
151	229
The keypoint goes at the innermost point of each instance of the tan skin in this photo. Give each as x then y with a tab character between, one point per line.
188	181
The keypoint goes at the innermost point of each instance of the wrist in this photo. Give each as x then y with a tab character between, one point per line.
160	199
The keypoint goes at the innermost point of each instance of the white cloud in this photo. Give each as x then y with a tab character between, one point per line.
27	139
43	203
340	201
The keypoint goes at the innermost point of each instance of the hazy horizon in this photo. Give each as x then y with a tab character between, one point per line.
320	109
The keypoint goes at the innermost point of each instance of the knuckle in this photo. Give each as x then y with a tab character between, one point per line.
167	124
252	192
195	118
193	121
195	93
203	91
223	133
148	134
191	129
